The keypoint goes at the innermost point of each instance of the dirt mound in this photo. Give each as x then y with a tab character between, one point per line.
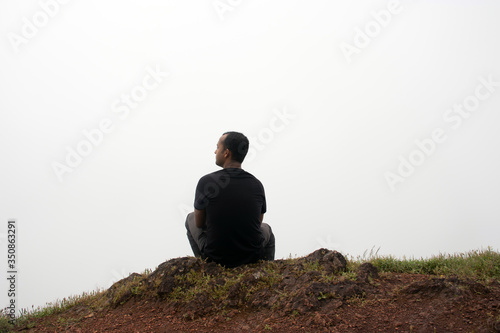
314	293
448	288
199	288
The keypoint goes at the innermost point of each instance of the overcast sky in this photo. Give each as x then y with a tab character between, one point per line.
372	124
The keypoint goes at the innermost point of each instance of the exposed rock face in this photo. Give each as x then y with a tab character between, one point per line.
117	294
332	261
367	271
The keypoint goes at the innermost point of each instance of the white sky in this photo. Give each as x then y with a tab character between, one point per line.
349	119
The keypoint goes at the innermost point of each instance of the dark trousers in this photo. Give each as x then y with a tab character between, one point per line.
198	238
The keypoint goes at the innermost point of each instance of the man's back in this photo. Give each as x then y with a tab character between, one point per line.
234	201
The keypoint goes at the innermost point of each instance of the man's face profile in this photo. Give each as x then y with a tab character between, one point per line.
220	151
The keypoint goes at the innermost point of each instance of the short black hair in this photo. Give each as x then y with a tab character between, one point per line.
238	144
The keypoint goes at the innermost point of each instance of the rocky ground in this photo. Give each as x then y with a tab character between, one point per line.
316	293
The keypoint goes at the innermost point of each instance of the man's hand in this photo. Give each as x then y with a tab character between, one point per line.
200	217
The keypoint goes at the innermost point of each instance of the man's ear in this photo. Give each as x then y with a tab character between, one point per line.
227	153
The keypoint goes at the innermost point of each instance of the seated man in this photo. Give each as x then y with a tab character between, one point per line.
226	225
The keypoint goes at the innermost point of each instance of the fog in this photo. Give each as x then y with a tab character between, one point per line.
372	126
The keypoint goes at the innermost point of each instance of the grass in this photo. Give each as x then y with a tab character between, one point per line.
93	300
477	265
217	287
59	306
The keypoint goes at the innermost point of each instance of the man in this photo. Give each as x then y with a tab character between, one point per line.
226	226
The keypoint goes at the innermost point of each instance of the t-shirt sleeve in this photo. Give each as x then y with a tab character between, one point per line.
200	196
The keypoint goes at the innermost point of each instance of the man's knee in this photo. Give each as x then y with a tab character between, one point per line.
189	220
267	232
196	236
269	242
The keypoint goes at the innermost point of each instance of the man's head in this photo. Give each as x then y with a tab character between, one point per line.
231	149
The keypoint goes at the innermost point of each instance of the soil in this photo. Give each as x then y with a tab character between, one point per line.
300	301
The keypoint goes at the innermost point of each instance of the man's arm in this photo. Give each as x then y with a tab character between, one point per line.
200	217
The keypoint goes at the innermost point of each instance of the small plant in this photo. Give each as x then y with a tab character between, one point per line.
5	325
358	299
312	266
322	296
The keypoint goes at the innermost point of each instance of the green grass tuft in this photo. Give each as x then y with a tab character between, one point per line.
477	264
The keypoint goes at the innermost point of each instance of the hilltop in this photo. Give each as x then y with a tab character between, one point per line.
321	292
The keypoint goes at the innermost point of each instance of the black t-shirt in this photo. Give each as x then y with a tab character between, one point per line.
234	200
